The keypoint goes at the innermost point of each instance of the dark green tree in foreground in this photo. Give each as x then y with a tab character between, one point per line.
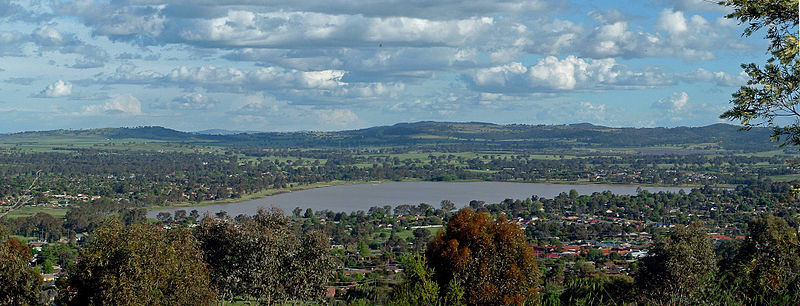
261	258
419	288
766	268
770	97
679	269
489	257
139	265
19	283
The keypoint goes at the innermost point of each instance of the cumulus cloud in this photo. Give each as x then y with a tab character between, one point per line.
695	5
58	89
571	73
118	104
12	43
691	38
609	16
336	117
305	29
191	101
675	104
719	78
48	38
260	106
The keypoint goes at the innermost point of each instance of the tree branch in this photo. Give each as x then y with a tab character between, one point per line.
24	198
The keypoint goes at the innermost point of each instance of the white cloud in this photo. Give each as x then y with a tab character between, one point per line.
58	89
336	117
118	104
12	43
675	104
260	106
48	38
719	78
696	5
691	38
591	112
192	101
304	29
570	73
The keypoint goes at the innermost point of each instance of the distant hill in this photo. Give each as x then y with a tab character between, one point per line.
486	135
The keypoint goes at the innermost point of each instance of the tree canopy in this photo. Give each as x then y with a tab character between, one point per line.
19	283
262	258
139	265
679	267
770	97
490	257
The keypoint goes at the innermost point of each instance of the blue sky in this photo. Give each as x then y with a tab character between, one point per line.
331	65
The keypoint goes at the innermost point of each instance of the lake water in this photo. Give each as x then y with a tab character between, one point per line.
348	198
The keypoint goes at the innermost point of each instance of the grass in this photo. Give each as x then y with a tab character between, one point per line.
27	211
785	177
406	233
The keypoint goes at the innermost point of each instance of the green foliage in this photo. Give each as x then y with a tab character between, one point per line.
139	265
261	258
773	90
768	264
19	283
679	267
134	216
418	286
363	249
598	289
490	258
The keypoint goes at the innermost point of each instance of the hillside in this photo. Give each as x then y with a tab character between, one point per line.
487	135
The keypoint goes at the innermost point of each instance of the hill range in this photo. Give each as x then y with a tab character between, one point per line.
513	136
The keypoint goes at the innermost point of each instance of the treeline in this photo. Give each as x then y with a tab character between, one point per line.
477	259
727	211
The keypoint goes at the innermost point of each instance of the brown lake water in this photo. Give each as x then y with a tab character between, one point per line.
348	198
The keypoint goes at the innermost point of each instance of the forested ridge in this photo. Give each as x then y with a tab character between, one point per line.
446	133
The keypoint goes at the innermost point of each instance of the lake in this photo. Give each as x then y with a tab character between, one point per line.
348	198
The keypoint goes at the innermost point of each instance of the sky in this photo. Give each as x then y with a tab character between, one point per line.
278	65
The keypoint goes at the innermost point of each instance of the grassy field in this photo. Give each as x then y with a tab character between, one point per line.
405	233
785	178
27	211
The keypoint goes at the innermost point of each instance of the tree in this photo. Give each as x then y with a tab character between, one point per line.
773	90
139	265
679	267
164	216
19	283
768	263
598	289
490	257
180	215
263	259
448	206
134	216
419	288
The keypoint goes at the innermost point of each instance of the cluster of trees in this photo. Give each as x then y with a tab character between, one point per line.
477	259
259	259
480	260
262	258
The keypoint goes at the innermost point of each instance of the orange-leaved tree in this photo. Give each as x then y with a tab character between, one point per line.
488	256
